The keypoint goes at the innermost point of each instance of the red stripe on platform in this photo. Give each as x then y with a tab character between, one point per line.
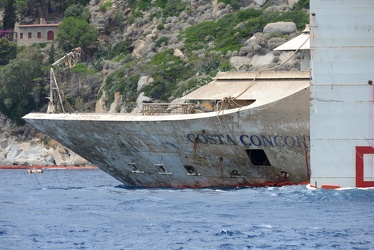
360	152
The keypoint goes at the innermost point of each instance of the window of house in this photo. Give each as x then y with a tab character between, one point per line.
20	35
39	34
30	36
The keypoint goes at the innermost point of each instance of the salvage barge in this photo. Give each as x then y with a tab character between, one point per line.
256	135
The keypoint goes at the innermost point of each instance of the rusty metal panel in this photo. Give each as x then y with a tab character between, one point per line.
342	94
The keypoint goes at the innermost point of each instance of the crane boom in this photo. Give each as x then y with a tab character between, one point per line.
55	98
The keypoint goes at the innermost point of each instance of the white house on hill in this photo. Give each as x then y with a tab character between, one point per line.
27	34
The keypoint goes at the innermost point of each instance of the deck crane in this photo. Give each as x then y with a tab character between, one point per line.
55	97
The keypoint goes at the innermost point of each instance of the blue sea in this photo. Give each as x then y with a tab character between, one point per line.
88	209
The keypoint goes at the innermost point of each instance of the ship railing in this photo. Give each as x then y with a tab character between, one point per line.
167	108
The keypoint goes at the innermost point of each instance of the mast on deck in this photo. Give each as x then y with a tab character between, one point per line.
55	96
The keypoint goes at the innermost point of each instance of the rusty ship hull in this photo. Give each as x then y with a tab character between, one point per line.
264	143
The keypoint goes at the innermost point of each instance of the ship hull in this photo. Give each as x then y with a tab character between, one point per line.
257	145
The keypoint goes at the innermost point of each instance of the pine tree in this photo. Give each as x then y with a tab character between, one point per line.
9	16
8	51
51	55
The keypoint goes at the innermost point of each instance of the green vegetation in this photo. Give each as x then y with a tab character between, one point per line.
52	54
77	10
3	3
106	5
172	7
9	18
126	85
168	66
121	50
214	63
167	70
118	20
33	7
73	11
191	85
156	90
144	4
301	4
235	4
123	47
169	7
63	5
22	85
100	56
82	70
173	75
228	32
76	32
8	51
163	40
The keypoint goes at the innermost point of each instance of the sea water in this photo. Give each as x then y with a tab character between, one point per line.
88	209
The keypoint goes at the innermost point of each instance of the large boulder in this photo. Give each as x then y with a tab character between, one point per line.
178	53
144	81
260	2
115	106
280	27
139	103
292	2
37	153
143	47
100	106
238	61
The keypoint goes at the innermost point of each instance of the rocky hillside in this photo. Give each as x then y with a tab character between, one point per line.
159	54
194	43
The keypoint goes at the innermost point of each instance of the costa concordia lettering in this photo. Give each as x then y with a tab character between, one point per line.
252	140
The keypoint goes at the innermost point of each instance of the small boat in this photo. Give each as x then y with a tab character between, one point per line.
35	171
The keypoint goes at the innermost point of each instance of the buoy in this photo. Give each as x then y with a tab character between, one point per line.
330	186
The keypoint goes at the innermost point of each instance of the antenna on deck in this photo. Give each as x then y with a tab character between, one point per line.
55	96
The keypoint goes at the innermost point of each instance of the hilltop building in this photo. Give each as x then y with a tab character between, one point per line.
27	34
